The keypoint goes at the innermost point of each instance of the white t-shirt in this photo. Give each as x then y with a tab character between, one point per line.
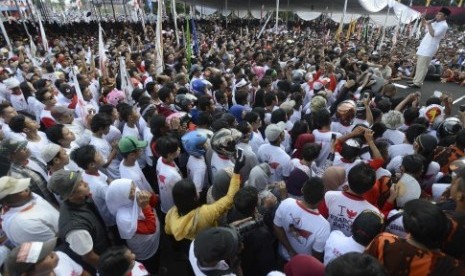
338	244
338	127
305	229
278	160
135	174
218	163
36	146
148	151
139	270
80	241
66	266
395	136
256	141
98	187
167	174
197	171
34	221
104	147
429	44
396	226
340	162
19	102
297	164
324	139
343	208
400	150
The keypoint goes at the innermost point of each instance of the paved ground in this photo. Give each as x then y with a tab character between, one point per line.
428	88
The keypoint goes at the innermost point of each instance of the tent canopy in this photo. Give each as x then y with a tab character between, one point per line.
310	10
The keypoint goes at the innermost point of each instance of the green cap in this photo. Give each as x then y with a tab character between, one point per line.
130	144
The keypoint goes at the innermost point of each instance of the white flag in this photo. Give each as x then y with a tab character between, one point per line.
158	40
126	84
43	36
101	51
5	35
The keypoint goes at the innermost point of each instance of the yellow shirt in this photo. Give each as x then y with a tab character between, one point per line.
201	218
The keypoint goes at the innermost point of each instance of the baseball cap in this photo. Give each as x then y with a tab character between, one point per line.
273	131
59	111
130	144
287	106
317	104
22	258
11	146
11	83
216	244
49	152
10	185
63	183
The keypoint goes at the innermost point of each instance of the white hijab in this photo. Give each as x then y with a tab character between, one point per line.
125	210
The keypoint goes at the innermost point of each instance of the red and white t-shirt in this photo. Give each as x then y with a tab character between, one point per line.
218	163
66	266
338	127
139	270
338	244
305	229
341	209
278	160
324	139
167	175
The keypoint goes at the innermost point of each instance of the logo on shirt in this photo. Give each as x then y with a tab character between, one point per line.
162	178
351	213
274	165
296	232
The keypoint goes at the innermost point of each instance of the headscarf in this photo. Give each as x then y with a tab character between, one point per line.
259	176
333	178
125	210
299	144
221	182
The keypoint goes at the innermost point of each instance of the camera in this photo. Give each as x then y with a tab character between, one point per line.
246	228
185	119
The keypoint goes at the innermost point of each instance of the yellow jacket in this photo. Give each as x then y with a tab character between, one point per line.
201	218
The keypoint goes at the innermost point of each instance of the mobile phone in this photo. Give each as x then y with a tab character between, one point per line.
239	153
462	108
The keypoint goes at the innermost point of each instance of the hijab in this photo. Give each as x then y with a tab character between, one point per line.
333	178
302	139
124	209
259	176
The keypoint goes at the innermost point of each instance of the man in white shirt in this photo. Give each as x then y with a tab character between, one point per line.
27	217
341	208
299	226
273	154
364	229
435	31
168	172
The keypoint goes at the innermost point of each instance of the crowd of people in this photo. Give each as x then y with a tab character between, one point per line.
285	154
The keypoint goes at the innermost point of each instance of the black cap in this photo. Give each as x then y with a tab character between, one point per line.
216	244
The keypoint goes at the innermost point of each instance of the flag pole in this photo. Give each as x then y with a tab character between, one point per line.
277	15
384	28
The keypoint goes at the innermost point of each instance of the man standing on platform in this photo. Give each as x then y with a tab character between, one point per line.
435	30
